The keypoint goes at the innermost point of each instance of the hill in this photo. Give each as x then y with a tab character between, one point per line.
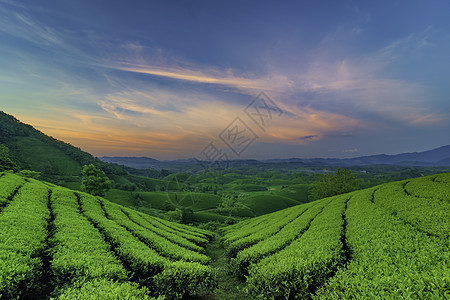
71	245
61	163
389	241
33	150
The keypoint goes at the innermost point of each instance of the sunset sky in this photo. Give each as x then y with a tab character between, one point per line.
163	79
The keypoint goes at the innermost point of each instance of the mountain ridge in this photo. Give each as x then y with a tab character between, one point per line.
435	157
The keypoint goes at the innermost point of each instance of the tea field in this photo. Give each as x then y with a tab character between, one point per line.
55	242
389	241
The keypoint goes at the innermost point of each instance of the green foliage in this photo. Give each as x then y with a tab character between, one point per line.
175	215
182	279
105	290
169	227
9	183
342	181
6	163
229	203
94	181
30	174
211	225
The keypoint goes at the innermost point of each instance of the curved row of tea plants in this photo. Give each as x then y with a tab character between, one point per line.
162	245
23	224
390	241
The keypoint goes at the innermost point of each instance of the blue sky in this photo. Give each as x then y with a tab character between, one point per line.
164	78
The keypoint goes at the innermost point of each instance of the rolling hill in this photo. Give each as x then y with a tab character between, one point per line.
389	241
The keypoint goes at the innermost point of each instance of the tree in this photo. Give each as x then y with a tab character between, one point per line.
342	181
175	215
94	181
230	203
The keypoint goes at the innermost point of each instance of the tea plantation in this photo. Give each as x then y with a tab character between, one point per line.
389	241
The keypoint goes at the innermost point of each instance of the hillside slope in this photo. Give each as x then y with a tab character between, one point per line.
71	245
389	241
33	150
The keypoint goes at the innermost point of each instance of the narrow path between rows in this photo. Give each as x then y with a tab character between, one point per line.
230	287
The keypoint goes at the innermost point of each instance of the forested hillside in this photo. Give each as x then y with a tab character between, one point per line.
33	150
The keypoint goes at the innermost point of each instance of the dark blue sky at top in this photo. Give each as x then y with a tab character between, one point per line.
364	77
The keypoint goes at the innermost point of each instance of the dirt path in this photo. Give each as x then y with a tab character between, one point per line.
230	288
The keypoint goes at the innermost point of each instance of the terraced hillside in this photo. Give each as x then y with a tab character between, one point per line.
55	242
390	241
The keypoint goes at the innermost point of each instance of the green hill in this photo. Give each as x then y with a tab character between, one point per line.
71	245
263	204
33	150
298	192
389	241
61	163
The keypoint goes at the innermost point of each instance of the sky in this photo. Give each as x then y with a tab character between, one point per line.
235	79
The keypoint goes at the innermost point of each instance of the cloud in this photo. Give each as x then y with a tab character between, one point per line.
362	87
308	137
249	83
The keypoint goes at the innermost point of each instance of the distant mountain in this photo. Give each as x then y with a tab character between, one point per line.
133	162
33	150
435	157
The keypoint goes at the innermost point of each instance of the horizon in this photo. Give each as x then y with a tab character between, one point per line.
180	80
287	158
